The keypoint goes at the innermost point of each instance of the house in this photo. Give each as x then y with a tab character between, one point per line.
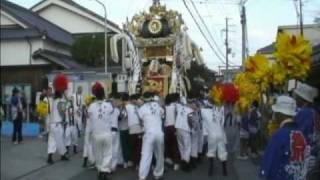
31	47
311	33
82	22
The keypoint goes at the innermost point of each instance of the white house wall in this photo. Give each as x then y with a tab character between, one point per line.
17	52
70	21
7	20
311	33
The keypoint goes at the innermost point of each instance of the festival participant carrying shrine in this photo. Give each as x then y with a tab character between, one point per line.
57	119
99	126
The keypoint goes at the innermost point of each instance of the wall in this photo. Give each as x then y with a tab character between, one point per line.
17	52
76	23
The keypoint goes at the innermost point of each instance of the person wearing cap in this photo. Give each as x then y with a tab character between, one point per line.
171	143
306	115
153	139
99	126
285	155
213	127
16	115
56	141
135	127
183	133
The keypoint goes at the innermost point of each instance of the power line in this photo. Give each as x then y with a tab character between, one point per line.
206	27
201	31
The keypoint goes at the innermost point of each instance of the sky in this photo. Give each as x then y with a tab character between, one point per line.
263	18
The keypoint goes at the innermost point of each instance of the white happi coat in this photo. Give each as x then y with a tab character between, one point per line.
71	131
171	112
213	122
153	139
78	104
99	126
56	130
195	131
183	131
133	119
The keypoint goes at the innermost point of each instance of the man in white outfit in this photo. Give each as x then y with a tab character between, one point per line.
135	127
152	144
88	144
57	119
78	104
71	132
116	151
213	123
184	133
99	126
195	128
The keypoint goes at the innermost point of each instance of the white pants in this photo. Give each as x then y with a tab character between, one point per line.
217	147
103	151
194	144
87	148
184	144
152	144
200	141
78	120
71	136
115	150
56	139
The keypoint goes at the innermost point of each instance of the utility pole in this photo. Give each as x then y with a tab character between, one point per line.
243	31
301	18
227	46
243	21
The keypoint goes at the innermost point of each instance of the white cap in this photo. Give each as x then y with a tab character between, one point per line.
285	105
306	92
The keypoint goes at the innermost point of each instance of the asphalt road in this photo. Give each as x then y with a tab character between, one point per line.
27	161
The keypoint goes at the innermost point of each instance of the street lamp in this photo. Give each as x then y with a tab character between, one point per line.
105	36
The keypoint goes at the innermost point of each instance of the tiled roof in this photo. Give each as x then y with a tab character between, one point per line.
37	26
76	5
60	59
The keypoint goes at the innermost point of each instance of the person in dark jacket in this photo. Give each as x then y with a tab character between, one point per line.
16	115
285	155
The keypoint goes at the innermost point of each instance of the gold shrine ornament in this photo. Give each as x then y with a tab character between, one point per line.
155	26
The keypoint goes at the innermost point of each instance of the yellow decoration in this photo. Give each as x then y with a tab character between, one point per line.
88	99
42	109
216	94
272	127
278	74
248	91
293	53
258	70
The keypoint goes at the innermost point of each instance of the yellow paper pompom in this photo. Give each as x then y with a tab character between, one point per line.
42	109
258	69
216	94
293	53
278	74
88	99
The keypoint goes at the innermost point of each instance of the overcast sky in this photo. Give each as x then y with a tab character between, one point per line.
263	18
